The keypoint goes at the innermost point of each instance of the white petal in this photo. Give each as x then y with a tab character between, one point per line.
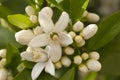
48	11
39	41
55	52
45	22
50	68
27	56
62	22
37	69
65	39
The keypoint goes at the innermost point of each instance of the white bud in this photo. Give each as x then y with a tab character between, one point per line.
3	74
24	36
85	56
94	55
58	65
72	34
38	30
78	26
29	10
77	60
92	17
3	53
33	18
3	62
83	68
65	61
89	31
48	11
69	51
85	14
78	39
94	65
80	44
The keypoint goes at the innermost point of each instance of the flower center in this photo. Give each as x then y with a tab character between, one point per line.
36	55
54	36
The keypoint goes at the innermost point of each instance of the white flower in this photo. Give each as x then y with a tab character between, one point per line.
94	55
78	26
77	60
42	57
54	35
66	61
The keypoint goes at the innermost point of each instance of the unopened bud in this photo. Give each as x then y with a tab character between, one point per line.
38	30
33	18
94	65
92	17
78	39
3	62
89	31
85	56
69	51
65	61
77	60
83	68
24	36
72	34
3	53
48	11
94	55
80	44
3	74
58	65
29	10
85	14
78	26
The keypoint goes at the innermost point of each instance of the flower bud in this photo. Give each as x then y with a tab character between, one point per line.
38	30
69	50
89	31
58	65
3	74
78	26
83	68
48	11
85	56
24	36
77	60
29	10
33	18
92	17
78	39
3	53
80	44
65	61
94	65
72	34
85	14
3	62
94	55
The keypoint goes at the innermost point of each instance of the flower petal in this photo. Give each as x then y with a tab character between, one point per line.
27	56
39	41
45	22
55	52
62	22
50	68
65	39
37	69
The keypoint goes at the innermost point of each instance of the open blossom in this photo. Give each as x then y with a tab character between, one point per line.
42	58
54	35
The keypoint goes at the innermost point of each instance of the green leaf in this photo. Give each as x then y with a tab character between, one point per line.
107	31
29	64
24	75
91	76
54	2
4	12
110	57
69	75
75	8
7	37
13	57
20	21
